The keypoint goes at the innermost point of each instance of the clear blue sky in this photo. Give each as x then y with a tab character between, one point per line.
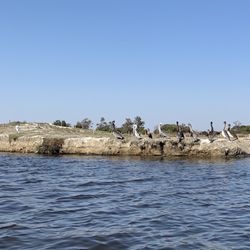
163	60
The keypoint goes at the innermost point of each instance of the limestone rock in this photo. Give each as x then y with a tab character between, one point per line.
47	139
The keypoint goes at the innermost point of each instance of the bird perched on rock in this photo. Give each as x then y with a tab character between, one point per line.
135	133
224	132
162	134
211	133
116	133
17	128
149	134
193	134
231	133
180	134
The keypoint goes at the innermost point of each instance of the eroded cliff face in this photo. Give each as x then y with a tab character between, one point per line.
107	146
25	144
156	147
133	147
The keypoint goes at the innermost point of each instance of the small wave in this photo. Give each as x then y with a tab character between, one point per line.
13	226
109	242
12	242
114	182
78	197
117	205
8	226
88	183
31	181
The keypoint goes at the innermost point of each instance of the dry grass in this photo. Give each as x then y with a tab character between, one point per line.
49	131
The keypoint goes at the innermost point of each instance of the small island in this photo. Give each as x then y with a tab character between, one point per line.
50	139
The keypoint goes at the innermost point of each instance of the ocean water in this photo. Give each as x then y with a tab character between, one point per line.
123	203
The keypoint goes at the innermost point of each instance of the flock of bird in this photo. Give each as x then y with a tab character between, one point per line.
211	133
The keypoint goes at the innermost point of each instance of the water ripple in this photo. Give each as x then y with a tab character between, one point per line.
112	203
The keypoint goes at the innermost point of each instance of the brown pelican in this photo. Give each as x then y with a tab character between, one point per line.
224	131
193	133
149	134
211	133
116	133
135	133
180	134
162	134
231	133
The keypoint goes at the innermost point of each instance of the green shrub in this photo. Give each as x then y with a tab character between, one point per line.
61	123
13	137
244	129
51	146
84	124
103	125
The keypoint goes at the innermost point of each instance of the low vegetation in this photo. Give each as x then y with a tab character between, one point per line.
61	123
51	146
102	128
86	123
241	129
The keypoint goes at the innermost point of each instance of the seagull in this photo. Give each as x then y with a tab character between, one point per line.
224	131
162	134
135	133
180	134
116	133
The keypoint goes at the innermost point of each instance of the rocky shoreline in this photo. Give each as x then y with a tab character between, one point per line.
40	141
108	146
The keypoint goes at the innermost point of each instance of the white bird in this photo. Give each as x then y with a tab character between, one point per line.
162	134
17	128
135	133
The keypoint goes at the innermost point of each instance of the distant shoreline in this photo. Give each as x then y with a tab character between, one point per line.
53	140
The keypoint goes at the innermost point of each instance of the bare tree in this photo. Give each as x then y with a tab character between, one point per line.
237	124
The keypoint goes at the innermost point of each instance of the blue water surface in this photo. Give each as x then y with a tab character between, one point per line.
123	203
